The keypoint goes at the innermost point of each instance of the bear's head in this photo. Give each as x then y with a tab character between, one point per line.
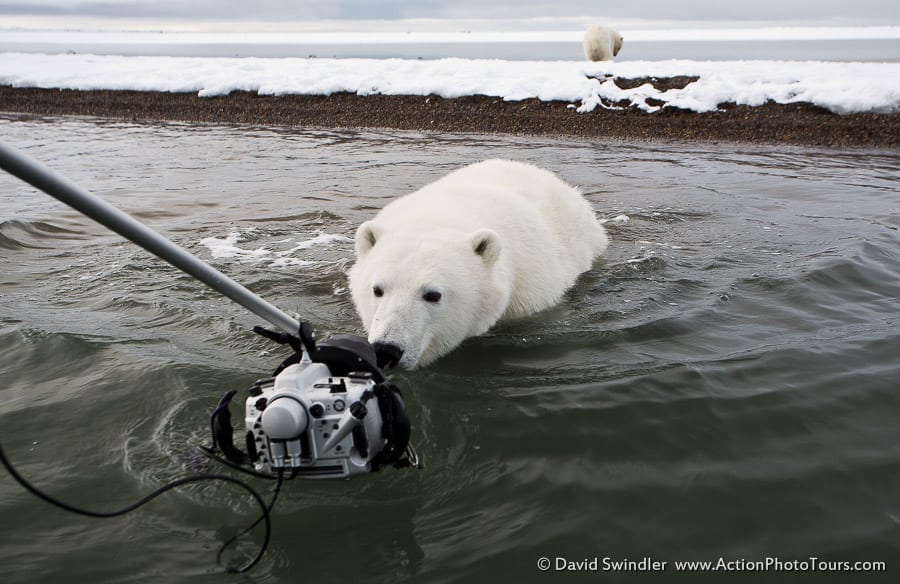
419	295
617	43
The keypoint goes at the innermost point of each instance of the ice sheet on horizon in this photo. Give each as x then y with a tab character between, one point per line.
424	36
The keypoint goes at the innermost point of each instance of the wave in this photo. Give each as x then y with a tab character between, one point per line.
16	234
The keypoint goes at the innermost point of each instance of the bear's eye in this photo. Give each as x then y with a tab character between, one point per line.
377	291
432	297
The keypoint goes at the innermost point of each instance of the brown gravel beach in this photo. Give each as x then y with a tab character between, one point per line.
800	124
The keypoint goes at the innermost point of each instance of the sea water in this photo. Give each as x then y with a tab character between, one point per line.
721	387
881	44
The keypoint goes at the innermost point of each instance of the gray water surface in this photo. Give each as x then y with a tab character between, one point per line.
724	384
875	50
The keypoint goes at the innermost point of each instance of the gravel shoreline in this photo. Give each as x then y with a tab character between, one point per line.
799	124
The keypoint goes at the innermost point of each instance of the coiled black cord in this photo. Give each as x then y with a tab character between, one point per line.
265	516
279	481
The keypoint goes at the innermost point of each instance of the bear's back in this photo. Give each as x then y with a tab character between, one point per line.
549	232
601	43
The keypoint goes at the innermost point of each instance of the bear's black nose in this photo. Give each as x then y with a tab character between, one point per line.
388	355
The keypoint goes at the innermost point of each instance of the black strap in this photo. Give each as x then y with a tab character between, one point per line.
223	433
304	339
344	354
396	427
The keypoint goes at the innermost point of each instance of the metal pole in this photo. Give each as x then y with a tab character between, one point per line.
55	185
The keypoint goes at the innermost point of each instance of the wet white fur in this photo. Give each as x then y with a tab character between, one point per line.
496	239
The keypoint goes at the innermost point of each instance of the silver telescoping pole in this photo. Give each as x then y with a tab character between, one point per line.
59	187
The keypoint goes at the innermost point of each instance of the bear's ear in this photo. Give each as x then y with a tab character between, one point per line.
486	243
366	236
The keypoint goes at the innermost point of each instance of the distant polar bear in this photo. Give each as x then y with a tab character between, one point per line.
497	239
601	43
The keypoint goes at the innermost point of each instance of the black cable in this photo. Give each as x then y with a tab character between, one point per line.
176	483
211	454
279	481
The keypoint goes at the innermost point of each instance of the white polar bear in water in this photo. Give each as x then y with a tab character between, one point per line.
497	239
601	43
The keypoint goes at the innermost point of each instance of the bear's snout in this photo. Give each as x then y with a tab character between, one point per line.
387	354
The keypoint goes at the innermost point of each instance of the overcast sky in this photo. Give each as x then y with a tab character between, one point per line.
876	12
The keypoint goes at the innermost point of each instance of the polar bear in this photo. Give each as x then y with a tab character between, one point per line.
496	239
601	43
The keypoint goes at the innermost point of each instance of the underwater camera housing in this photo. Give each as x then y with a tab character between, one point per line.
325	413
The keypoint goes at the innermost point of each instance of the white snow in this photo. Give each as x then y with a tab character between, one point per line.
842	87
